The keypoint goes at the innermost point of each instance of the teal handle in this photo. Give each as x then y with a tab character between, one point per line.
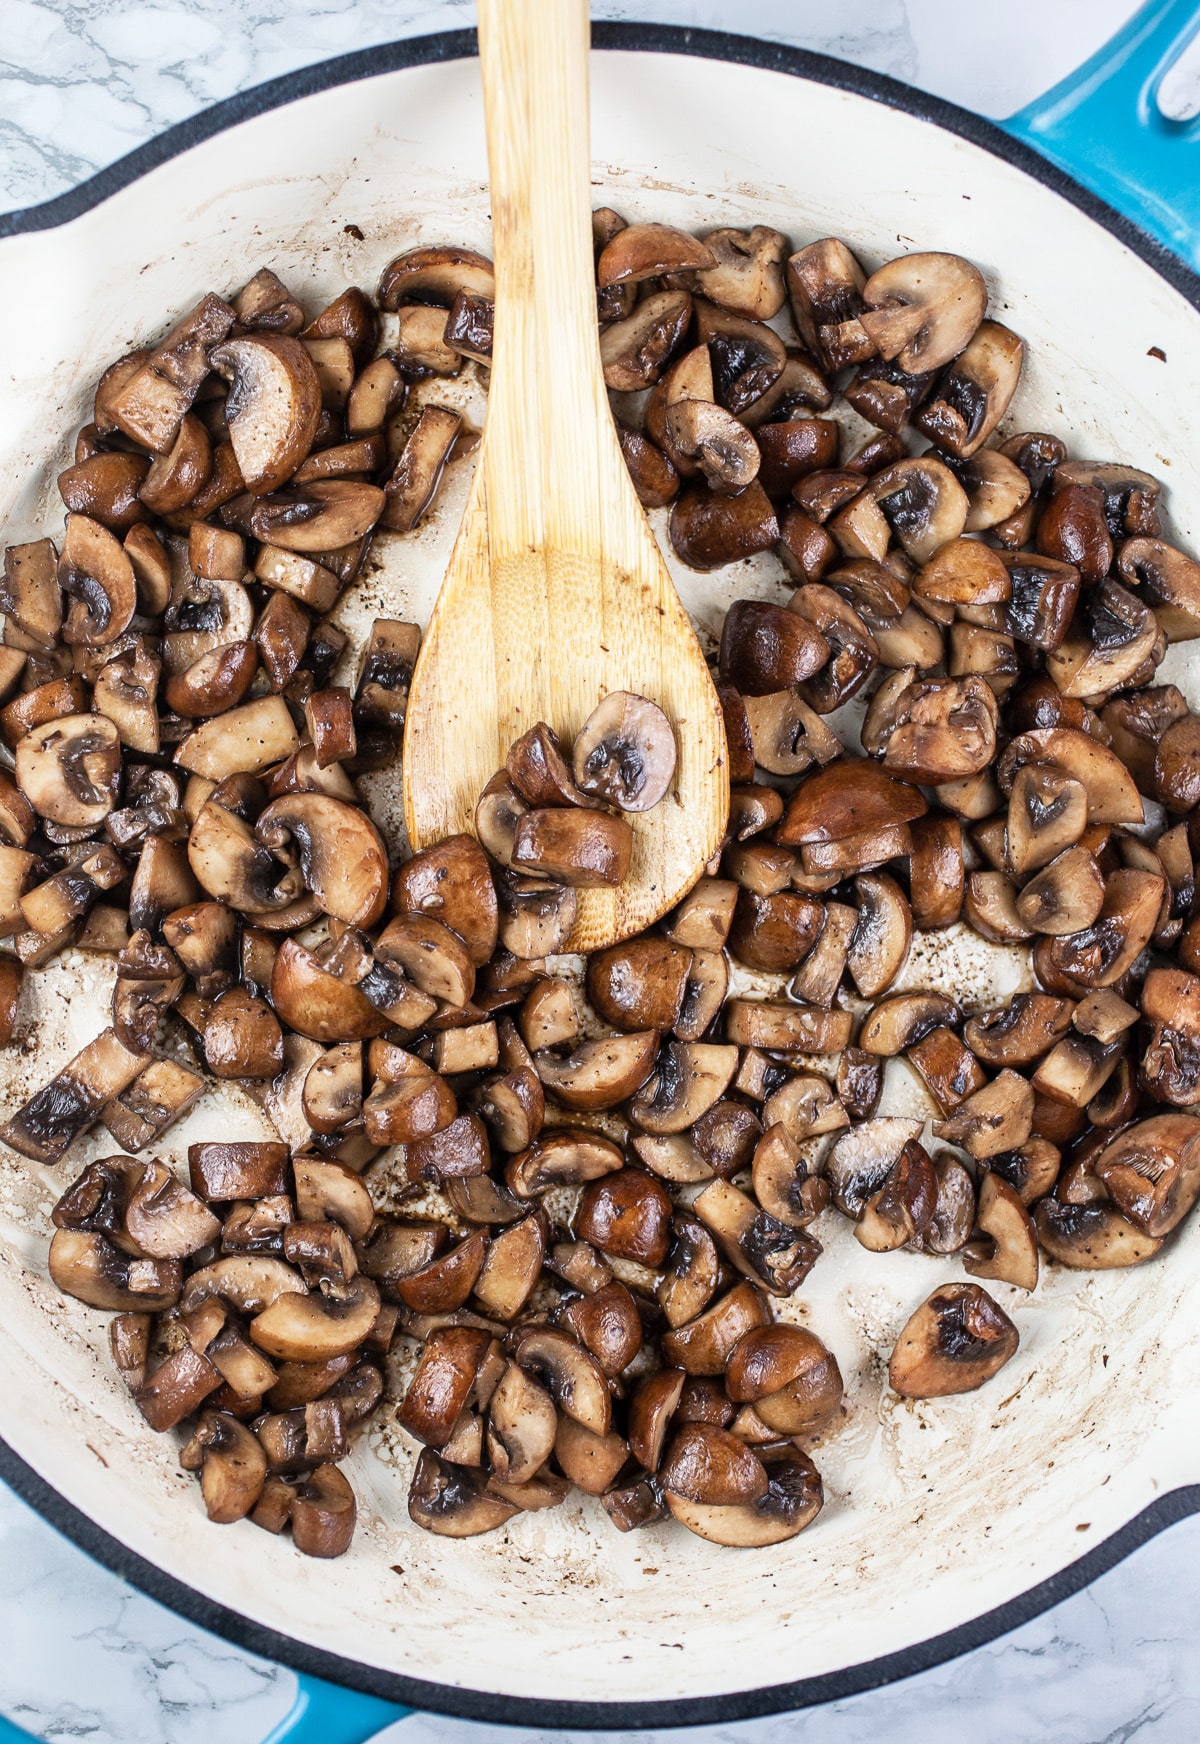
10	1734
1102	124
324	1713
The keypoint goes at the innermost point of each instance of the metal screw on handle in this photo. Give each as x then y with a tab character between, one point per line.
1102	124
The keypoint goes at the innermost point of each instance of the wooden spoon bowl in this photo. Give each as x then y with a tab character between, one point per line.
556	591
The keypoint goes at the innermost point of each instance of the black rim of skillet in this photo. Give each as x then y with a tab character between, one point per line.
416	1692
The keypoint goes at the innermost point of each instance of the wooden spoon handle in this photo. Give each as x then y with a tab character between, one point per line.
550	438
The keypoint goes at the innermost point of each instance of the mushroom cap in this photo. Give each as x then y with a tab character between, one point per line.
792	1500
625	752
954	1342
273	405
69	769
342	854
313	1328
453	883
923	308
851	797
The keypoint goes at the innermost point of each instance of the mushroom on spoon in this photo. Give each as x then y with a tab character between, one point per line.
556	594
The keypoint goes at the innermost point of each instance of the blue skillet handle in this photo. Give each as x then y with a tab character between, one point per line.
1102	124
325	1713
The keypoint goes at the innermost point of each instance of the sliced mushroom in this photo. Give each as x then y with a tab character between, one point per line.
1065	896
452	882
792	1500
765	648
860	1161
625	752
851	797
273	405
687	1078
71	1102
775	1255
975	392
788	1375
1006	1248
451	1501
567	1157
1152	1171
535	916
957	1339
1091	1237
713	440
997	1118
69	769
87	1265
521	1426
703	1344
1111	792
599	1074
634	351
708	530
923	308
1170	583
945	730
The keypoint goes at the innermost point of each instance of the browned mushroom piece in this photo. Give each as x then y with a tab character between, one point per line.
1115	641
945	729
923	308
957	1339
634	351
825	283
655	478
452	882
687	1078
708	530
765	648
567	1157
896	1024
774	1254
233	1466
1020	1032
639	985
882	934
1169	581
1065	896
860	1161
69	769
600	1073
625	752
788	1375
701	1345
774	932
273	405
1111	792
535	915
1004	1244
1047	813
86	1264
627	1215
997	1118
417	473
451	1501
1099	954
1091	1237
699	434
1151	1171
71	1102
974	394
851	797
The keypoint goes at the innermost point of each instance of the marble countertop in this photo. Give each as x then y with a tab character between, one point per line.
83	1655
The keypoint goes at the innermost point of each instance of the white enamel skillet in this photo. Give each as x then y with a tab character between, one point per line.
946	1523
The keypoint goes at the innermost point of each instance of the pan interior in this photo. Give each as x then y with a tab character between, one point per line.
936	1512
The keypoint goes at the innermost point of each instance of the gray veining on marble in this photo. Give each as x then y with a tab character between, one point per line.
83	83
81	1655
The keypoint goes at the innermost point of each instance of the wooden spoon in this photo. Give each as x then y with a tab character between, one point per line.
556	592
